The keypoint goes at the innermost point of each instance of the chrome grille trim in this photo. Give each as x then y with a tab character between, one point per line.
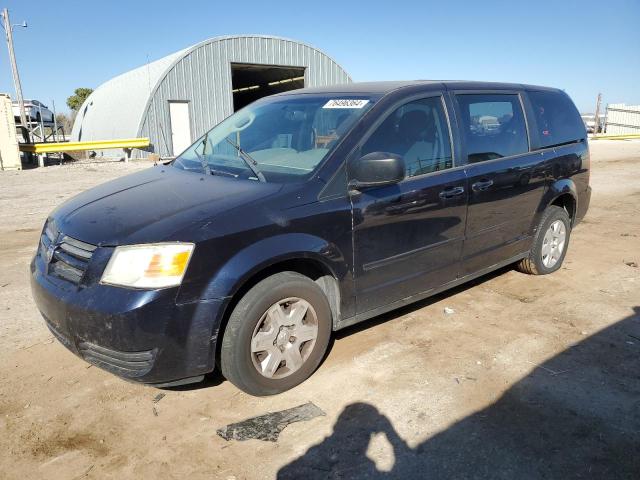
78	245
50	231
66	271
70	258
71	247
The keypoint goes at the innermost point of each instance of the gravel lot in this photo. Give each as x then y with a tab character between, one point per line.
530	377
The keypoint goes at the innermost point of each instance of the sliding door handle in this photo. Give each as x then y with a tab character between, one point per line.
451	192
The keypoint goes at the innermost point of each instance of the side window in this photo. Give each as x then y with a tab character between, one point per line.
493	126
557	119
417	131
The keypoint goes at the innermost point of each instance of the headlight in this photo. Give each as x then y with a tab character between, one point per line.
158	265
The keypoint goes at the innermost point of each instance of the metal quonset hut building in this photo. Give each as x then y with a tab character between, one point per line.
176	99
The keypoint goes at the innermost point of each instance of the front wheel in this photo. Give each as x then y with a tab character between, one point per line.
550	243
277	335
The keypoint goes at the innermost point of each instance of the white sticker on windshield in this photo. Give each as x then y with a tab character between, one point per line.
345	103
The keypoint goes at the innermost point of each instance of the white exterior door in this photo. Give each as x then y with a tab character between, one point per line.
180	128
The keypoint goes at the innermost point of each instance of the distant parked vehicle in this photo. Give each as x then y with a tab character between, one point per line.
34	110
590	123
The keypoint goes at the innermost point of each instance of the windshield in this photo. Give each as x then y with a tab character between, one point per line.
279	139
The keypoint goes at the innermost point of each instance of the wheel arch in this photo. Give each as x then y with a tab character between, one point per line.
300	253
568	202
308	265
561	193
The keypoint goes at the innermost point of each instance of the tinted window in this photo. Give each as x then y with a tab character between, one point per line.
417	131
493	126
557	119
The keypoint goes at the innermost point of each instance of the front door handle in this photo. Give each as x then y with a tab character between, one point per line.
481	185
451	192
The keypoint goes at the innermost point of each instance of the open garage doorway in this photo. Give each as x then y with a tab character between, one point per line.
251	82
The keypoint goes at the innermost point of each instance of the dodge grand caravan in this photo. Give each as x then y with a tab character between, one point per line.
306	212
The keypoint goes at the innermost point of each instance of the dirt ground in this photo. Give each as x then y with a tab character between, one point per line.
530	377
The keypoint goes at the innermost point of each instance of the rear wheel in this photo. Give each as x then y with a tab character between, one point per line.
550	244
277	335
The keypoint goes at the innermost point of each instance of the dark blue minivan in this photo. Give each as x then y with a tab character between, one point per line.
306	212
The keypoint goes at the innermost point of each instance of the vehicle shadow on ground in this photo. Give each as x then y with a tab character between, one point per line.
575	416
212	379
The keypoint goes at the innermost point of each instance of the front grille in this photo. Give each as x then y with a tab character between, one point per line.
125	364
66	257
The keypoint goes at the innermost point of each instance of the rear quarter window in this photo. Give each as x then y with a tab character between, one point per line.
556	119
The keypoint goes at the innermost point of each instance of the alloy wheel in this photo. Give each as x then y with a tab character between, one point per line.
553	243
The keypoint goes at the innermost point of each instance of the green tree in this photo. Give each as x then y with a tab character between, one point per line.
75	101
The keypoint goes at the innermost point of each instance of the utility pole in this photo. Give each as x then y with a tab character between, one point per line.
8	30
596	124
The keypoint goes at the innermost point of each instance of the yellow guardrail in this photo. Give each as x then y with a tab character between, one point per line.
615	137
81	146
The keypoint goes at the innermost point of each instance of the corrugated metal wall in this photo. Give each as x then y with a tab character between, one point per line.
623	119
202	76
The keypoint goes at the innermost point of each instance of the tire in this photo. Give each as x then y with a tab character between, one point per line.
256	320
537	263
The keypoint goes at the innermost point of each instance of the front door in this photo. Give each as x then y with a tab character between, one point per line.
505	180
180	126
408	237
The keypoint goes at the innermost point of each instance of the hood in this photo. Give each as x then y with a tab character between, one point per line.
153	205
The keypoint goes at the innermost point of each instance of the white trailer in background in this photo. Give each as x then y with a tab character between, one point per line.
9	154
623	119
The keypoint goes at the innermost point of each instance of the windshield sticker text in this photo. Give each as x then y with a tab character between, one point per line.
345	103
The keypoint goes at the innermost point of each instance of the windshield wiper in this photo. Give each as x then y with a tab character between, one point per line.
251	163
202	158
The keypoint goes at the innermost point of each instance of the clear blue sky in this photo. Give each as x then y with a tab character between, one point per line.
581	46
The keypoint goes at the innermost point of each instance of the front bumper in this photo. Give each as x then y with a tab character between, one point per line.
139	335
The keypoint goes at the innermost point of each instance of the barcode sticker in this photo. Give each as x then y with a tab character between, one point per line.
345	103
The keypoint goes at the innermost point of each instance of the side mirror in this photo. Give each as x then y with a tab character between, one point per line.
376	169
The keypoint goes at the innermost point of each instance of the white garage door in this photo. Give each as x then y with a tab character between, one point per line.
180	128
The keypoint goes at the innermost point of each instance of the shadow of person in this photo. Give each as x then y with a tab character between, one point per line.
577	415
344	453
